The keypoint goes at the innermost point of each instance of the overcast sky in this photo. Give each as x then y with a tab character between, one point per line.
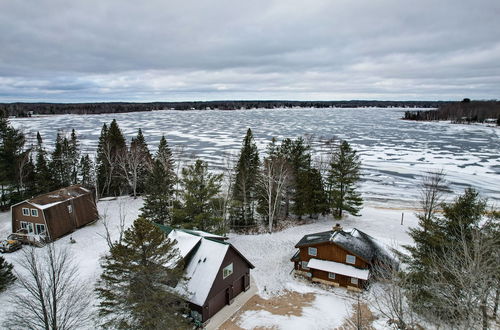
169	50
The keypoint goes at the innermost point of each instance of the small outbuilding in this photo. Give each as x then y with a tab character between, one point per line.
216	271
50	216
341	258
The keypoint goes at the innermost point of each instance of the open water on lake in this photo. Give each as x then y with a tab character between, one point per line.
394	153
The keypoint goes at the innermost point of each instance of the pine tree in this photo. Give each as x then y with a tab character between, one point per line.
244	191
159	187
134	286
6	275
111	145
12	153
74	156
441	249
61	163
343	176
86	172
140	161
44	181
199	195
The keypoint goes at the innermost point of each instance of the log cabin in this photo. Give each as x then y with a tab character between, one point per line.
216	271
50	216
341	258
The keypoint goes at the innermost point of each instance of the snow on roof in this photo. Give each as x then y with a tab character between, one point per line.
338	268
55	197
184	243
205	234
45	206
202	270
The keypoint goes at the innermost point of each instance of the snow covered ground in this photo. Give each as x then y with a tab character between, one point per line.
270	253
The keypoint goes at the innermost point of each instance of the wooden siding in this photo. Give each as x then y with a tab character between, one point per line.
58	219
17	216
84	210
227	287
331	252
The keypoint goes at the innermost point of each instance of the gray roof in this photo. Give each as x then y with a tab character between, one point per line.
355	241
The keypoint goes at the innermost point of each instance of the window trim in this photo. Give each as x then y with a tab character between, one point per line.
28	226
347	259
34	213
330	276
227	271
38	232
309	249
70	208
354	280
27	213
302	265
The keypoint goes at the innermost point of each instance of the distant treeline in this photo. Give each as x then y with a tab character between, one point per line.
26	109
466	111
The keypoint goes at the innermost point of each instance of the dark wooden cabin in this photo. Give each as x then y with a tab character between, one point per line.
217	272
341	258
50	216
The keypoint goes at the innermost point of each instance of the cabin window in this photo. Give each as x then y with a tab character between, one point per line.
34	212
28	226
309	274
354	280
350	259
313	251
70	208
331	276
304	265
228	270
39	228
26	211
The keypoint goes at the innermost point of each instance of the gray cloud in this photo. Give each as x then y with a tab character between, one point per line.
183	50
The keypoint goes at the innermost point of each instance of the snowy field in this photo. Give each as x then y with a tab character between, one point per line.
270	253
394	152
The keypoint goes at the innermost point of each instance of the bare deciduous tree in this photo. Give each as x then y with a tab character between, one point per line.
131	163
432	189
272	182
49	293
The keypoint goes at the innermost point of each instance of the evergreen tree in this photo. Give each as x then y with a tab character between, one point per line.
200	189
86	172
140	160
12	153
313	193
6	275
134	286
61	163
343	176
110	147
159	187
460	229
73	156
245	185
43	176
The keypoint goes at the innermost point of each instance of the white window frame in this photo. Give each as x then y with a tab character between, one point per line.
28	226
312	251
303	265
70	209
40	225
354	280
34	213
227	271
26	212
350	259
331	276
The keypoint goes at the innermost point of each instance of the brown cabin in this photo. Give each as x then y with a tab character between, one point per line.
217	272
50	216
340	258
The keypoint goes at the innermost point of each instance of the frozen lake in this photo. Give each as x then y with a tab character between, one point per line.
394	152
